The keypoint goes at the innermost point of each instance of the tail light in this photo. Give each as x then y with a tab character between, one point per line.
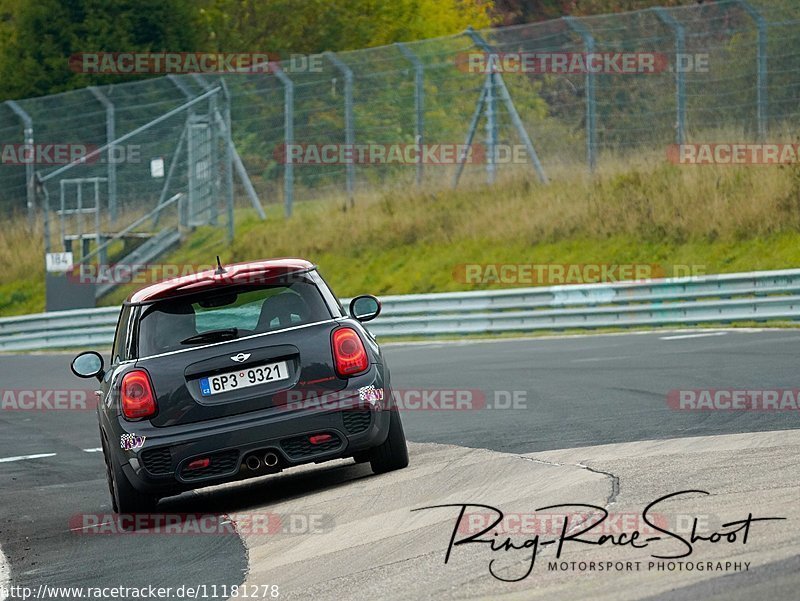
349	354
138	399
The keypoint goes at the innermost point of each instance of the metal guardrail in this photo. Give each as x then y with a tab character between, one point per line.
757	296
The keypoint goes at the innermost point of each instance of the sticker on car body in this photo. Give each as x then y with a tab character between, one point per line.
131	442
370	393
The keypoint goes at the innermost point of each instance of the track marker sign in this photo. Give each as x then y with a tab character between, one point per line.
58	262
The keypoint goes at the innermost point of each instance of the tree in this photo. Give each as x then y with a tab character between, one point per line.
286	26
37	37
517	12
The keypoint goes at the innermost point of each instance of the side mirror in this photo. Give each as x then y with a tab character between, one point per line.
365	307
88	365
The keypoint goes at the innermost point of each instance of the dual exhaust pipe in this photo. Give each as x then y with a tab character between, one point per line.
253	462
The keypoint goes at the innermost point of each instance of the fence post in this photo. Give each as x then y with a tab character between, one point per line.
515	118
473	125
591	101
761	83
112	163
419	103
216	125
490	104
30	186
496	81
238	165
491	126
680	76
184	89
349	128
183	217
288	137
39	186
226	136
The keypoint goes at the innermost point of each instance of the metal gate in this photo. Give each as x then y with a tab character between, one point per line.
203	165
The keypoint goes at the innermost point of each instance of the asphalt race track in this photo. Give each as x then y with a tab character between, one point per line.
594	390
574	392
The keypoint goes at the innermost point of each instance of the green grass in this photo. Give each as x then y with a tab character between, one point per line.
716	220
428	266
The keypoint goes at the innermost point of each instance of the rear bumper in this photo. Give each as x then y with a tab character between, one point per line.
159	467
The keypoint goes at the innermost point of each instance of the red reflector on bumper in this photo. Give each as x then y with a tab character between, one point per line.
198	464
319	438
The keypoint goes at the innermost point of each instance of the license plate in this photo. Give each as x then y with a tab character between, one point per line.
244	378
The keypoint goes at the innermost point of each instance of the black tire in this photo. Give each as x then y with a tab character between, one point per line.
125	499
393	453
109	480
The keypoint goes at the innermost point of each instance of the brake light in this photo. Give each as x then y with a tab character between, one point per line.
138	400
199	464
319	438
349	354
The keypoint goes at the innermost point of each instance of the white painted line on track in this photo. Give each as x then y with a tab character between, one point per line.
5	580
96	450
87	527
23	457
684	336
596	359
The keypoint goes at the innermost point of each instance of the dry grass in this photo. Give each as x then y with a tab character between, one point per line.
636	210
21	250
21	266
717	218
671	203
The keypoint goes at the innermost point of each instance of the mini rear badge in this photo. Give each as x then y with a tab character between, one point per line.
241	357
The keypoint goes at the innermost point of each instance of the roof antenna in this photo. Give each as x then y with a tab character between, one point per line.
220	269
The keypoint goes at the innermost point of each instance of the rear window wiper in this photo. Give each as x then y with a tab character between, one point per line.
213	336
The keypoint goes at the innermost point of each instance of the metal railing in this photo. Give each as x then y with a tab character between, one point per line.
718	299
725	71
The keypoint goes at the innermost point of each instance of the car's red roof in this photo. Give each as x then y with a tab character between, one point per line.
238	273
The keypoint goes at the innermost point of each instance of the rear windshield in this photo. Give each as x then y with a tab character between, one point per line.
228	314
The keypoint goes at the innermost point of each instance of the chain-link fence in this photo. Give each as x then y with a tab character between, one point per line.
583	91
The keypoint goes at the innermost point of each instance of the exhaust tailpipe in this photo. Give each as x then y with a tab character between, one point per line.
253	462
271	459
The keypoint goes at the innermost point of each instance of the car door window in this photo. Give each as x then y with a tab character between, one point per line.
119	351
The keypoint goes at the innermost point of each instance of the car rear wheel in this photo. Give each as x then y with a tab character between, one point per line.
125	499
393	453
